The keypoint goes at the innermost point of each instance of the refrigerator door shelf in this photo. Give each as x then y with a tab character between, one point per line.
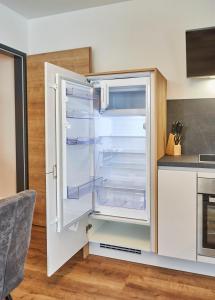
79	92
75	211
78	192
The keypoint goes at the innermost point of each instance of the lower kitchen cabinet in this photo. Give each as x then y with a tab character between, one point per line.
177	209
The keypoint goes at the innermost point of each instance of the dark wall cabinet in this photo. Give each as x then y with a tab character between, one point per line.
200	50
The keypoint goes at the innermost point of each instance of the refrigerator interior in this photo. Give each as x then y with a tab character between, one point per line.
106	154
121	155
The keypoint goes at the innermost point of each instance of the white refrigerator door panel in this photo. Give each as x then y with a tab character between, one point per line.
61	246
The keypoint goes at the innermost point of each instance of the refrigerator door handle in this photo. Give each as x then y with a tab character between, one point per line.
54	171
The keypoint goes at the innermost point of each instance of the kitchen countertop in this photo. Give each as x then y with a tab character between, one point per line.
188	161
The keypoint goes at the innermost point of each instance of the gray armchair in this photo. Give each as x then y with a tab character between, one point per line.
16	215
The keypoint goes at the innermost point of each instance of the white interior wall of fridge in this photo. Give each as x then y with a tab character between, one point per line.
122	199
121	154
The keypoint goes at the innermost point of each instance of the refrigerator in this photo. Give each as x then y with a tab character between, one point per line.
98	162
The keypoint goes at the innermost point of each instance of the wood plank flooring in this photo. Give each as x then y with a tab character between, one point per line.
98	278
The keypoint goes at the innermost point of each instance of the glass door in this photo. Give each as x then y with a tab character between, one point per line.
75	142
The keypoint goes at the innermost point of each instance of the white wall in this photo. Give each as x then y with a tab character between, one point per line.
7	125
13	29
133	34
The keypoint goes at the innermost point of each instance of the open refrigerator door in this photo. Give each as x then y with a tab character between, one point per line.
69	159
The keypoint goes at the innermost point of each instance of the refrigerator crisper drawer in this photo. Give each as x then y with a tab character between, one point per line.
121	199
130	199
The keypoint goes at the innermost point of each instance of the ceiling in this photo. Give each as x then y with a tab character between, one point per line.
40	8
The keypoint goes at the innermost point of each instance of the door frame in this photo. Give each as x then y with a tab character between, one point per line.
21	127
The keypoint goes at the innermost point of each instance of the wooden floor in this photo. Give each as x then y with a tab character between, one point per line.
98	278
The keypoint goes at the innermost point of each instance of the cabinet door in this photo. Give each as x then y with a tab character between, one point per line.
68	165
177	214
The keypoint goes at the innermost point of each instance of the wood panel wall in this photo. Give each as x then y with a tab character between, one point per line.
77	60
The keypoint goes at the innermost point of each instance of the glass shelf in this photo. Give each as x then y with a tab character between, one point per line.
123	136
123	144
83	94
122	185
76	192
124	112
129	166
81	115
123	160
121	151
81	141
